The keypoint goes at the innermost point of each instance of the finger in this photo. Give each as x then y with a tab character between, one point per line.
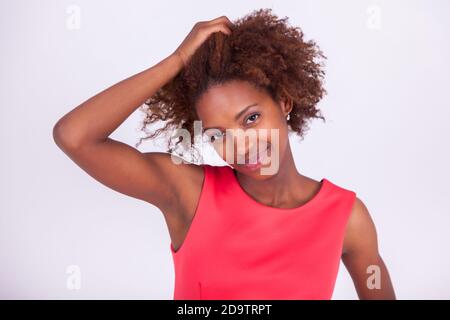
228	21
221	19
217	19
225	23
220	27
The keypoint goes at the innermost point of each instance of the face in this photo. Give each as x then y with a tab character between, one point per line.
246	127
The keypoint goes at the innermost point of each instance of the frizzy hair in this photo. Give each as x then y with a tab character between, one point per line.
262	50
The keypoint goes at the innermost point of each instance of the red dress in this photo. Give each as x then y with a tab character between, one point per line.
237	248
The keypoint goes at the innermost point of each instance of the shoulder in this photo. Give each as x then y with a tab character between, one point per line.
174	165
179	174
360	233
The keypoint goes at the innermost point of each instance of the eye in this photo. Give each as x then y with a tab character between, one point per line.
252	117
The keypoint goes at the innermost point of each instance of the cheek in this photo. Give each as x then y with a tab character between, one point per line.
278	138
270	129
220	149
223	148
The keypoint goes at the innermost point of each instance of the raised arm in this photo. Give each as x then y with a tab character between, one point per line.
83	133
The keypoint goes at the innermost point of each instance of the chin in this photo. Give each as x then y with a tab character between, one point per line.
256	172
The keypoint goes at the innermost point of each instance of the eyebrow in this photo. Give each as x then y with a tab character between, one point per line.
238	115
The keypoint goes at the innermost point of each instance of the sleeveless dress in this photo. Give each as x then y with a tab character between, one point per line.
238	248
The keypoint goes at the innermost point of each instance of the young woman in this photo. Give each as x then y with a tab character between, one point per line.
237	231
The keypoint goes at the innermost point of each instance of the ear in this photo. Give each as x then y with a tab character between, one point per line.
286	106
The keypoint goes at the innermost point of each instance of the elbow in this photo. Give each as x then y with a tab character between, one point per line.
64	137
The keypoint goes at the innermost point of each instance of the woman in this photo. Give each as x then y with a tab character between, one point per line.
257	228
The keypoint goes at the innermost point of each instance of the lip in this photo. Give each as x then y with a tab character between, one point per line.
253	166
258	164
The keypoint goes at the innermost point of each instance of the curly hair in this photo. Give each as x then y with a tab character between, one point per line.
262	50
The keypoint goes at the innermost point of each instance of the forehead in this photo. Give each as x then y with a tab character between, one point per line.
226	100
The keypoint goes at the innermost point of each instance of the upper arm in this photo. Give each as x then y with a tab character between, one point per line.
361	256
152	177
360	234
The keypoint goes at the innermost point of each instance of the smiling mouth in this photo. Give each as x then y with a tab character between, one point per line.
257	161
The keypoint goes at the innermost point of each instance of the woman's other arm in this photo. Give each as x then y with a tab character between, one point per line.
362	258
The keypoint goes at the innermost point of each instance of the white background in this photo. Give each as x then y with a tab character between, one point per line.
386	138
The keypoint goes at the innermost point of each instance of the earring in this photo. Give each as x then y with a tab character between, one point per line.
288	116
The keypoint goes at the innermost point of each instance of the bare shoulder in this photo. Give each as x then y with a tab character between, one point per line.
174	165
360	234
184	179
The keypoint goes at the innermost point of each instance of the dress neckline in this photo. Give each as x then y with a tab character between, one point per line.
316	197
